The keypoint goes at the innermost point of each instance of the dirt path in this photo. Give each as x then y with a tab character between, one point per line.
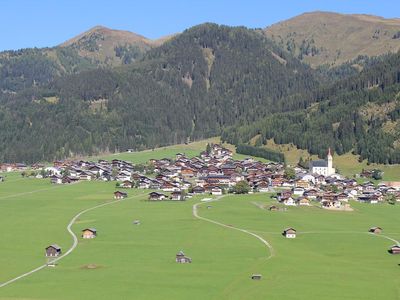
37	191
266	243
74	237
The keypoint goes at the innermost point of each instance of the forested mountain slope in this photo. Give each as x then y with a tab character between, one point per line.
360	113
192	86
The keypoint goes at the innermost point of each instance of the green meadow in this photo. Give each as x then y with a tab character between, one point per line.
332	257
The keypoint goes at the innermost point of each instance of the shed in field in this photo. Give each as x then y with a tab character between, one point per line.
289	233
120	195
89	233
53	250
375	230
395	249
182	259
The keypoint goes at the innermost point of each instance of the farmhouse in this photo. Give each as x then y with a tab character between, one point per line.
89	233
198	190
182	259
120	195
53	250
157	196
127	184
289	233
177	195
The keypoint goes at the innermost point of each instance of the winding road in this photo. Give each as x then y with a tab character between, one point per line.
265	242
74	244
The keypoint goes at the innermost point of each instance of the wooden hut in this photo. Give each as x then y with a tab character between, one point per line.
120	195
182	259
289	233
375	230
53	250
273	208
89	233
395	249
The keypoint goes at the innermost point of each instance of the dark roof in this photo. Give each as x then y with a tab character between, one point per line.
319	163
90	229
55	246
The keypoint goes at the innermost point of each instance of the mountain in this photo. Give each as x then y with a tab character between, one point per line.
190	87
360	113
110	47
97	47
320	38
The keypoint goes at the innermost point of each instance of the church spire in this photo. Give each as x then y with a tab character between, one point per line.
329	151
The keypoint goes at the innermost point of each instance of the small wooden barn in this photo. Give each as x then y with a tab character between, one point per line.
89	233
395	249
289	233
53	250
182	259
120	195
375	230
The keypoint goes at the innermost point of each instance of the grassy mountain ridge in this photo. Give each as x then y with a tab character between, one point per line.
330	38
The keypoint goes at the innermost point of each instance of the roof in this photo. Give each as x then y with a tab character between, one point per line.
290	228
319	163
55	246
90	229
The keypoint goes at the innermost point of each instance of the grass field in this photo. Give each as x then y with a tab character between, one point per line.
333	256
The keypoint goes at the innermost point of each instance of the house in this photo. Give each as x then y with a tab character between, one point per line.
303	201
127	184
395	249
256	276
157	196
289	233
198	190
288	201
53	250
89	233
182	259
120	195
217	191
178	196
299	191
375	230
56	179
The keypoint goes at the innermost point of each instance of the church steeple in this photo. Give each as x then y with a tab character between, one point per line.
329	158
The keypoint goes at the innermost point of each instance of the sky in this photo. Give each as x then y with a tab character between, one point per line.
46	23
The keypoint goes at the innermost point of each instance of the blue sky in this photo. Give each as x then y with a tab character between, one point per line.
40	23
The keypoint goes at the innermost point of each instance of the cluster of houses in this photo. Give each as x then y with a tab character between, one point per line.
215	172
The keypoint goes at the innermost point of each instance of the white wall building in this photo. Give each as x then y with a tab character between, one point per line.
323	167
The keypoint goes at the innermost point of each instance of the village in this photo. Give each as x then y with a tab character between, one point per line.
215	172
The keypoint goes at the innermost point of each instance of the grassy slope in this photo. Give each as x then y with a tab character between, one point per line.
338	37
138	261
191	149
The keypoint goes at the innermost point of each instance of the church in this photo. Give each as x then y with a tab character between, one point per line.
323	167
